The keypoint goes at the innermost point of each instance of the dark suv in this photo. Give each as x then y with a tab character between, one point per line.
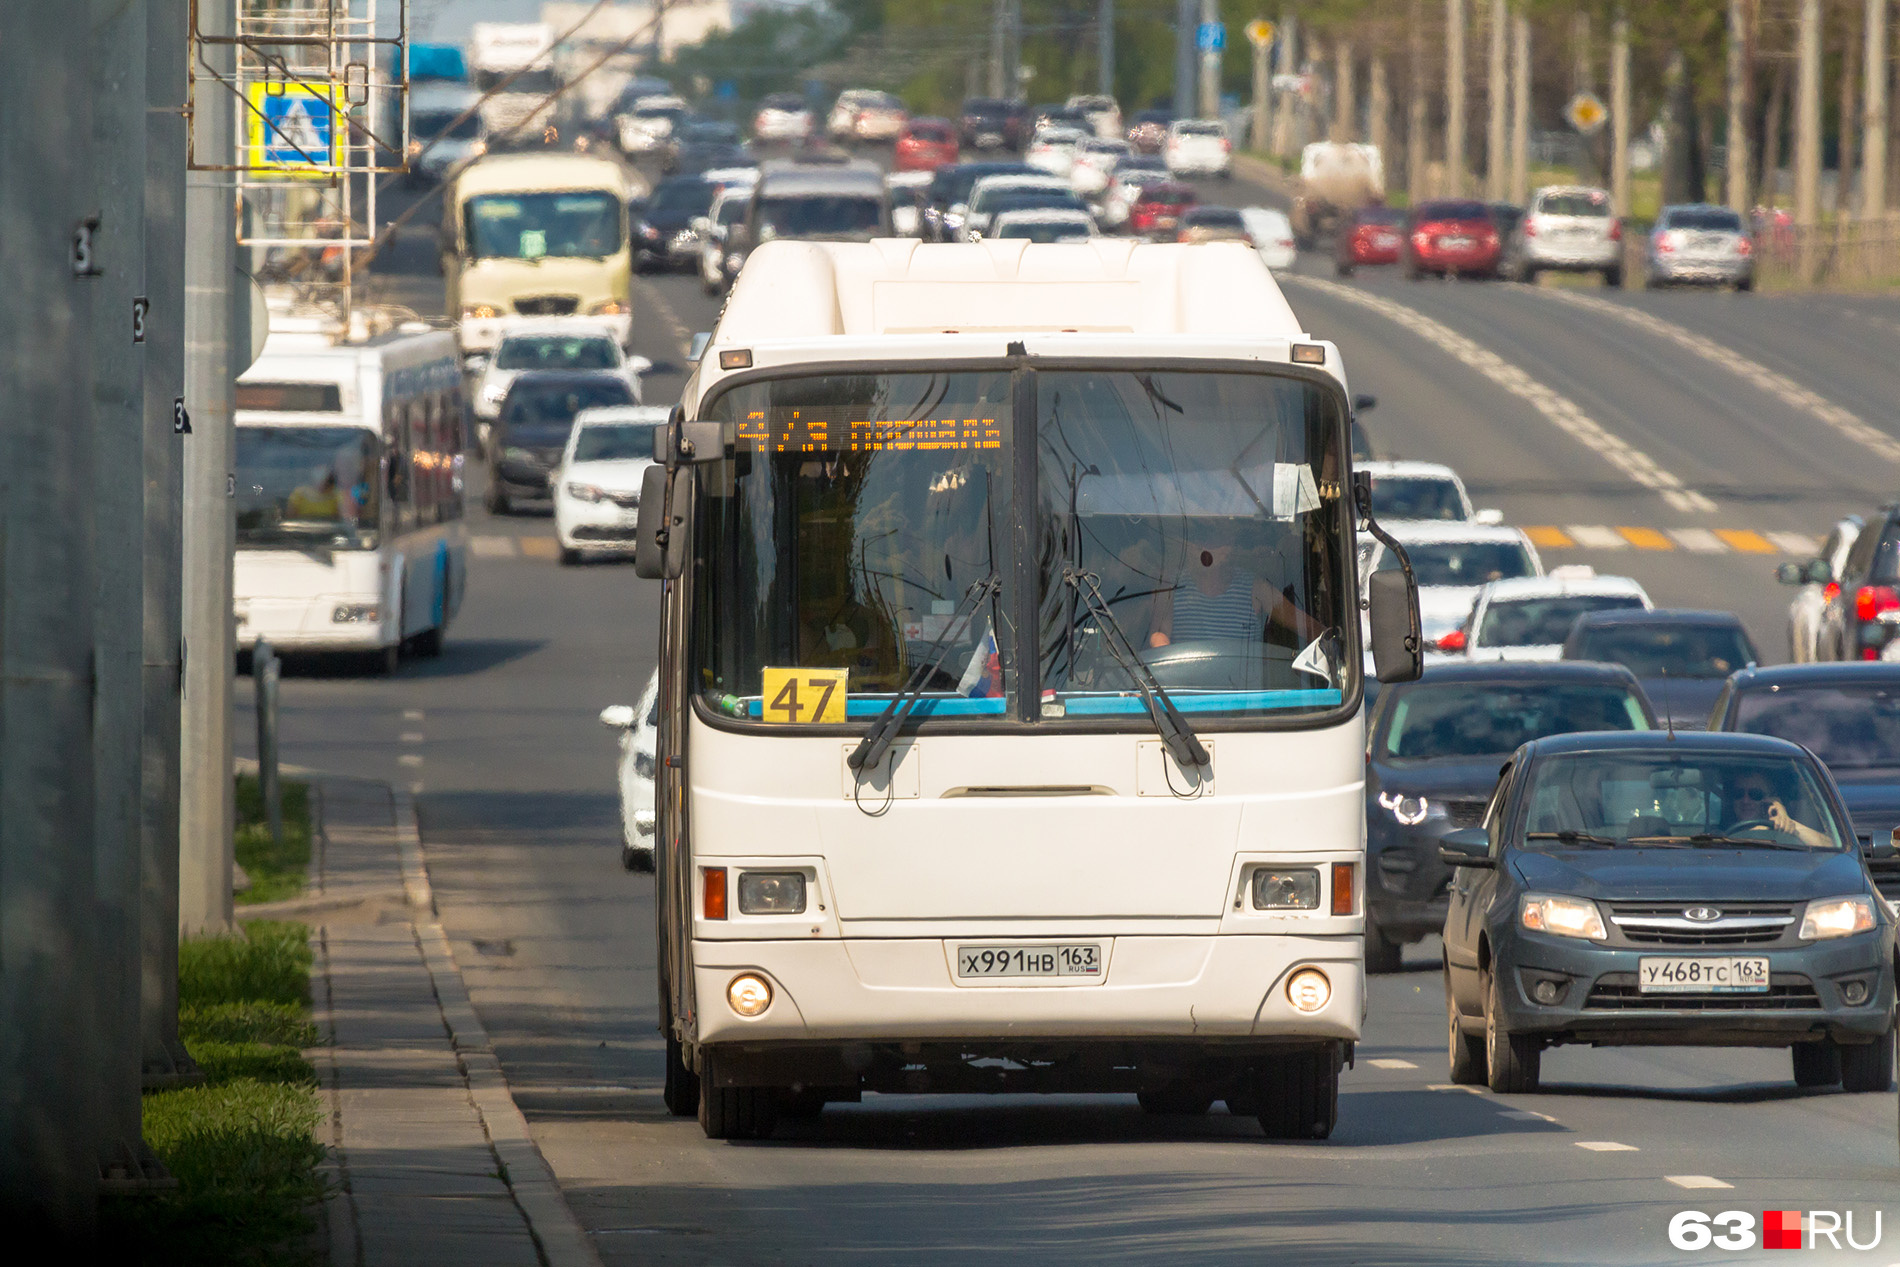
531	430
1862	611
990	123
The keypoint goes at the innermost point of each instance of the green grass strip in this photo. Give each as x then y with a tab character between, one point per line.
276	871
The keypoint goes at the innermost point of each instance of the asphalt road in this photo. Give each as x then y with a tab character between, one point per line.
515	784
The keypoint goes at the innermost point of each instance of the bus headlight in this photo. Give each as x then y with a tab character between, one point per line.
610	308
478	312
1308	990
749	994
356	614
771	893
1286	890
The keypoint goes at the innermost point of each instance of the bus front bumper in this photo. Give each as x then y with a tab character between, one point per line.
875	989
338	622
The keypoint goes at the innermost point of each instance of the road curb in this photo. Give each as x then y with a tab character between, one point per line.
562	1240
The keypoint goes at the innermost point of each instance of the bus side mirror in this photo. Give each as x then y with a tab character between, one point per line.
1398	653
659	541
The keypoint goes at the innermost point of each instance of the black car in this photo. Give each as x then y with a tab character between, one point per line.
991	123
1682	658
1433	749
698	137
1678	888
1848	715
531	431
663	233
948	195
1862	612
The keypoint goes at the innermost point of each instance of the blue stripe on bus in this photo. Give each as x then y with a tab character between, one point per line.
1093	705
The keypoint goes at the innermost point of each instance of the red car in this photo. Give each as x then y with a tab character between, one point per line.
926	145
1452	236
1373	236
1159	209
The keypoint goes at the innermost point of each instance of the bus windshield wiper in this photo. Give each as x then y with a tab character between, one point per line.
1567	837
877	740
1181	741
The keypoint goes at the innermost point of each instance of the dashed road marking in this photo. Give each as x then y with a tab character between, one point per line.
1698	540
490	547
1527	1115
409	759
1646	539
540	547
1561	411
1795	542
1697	1181
1607	1146
412	714
1746	542
1844	421
1694	540
1597	537
410	737
1549	538
1452	1086
1389	1062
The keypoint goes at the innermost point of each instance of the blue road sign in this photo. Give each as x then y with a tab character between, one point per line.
1211	37
298	129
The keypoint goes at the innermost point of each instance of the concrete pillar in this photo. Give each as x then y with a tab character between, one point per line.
1417	144
1345	93
1520	189
1737	173
1496	167
1620	114
1378	110
1873	117
1807	117
1455	97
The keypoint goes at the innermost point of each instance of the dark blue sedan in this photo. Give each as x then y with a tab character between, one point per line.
1695	889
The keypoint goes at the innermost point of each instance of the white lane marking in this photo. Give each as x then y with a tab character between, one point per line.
1561	411
412	714
671	318
1795	542
488	547
1597	537
409	759
1449	1086
410	736
415	789
1527	1115
1607	1146
1388	1062
1697	1181
1845	421
1699	540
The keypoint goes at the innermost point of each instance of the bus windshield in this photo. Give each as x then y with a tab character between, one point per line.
304	486
583	223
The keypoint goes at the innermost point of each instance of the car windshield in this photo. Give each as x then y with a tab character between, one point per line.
1706	219
1045	231
1594	203
438	125
1463	562
529	226
556	352
1672	649
614	442
1850	727
1206	508
306	485
849	216
1035	200
1669	796
539	81
1540	622
1198	129
1466	720
548	409
989	196
935	133
677	198
1416	497
1383	216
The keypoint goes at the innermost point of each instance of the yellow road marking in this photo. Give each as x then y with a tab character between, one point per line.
1745	541
540	547
1646	538
1549	538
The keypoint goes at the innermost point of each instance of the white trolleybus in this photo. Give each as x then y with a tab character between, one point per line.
1011	678
349	495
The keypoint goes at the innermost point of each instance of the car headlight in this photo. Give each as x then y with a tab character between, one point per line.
584	492
1410	811
1837	917
492	394
643	764
478	148
1564	916
609	308
1284	889
517	455
480	312
771	893
650	233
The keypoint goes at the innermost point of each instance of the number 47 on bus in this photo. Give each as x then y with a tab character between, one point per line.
805	696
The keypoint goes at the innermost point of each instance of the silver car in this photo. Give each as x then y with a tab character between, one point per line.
1812	578
1567	228
1701	244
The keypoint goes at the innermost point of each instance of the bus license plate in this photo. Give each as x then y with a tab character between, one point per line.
1057	959
1699	975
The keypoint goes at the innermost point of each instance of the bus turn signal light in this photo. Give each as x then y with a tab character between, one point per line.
1342	888
713	885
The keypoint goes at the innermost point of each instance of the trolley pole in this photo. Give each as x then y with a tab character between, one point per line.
1184	15
206	812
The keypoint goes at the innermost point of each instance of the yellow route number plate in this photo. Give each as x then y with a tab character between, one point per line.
805	696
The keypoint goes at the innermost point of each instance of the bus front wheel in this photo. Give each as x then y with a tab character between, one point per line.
734	1112
1299	1094
682	1084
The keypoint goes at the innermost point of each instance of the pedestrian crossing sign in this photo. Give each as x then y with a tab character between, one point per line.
293	128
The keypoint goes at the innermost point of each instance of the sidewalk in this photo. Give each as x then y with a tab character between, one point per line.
431	1160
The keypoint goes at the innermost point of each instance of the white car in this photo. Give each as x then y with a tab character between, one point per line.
862	114
1452	562
1422	490
729	208
1813	577
649	125
1566	228
549	343
1044	225
782	117
1529	619
1052	150
596	487
985	194
1198	147
908	191
639	729
1094	164
1272	236
1103	114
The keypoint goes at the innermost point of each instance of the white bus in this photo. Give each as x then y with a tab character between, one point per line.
349	495
1010	704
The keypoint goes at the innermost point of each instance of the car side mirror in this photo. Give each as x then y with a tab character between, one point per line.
1820	572
659	541
617	717
1792	573
638	365
1490	516
700	224
1398	652
1363	403
1467	847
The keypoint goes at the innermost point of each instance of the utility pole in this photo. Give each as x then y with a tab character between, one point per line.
1495	167
1520	190
1417	144
1737	164
1454	98
1620	115
1210	63
164	1059
211	297
999	48
1185	12
1807	118
1873	175
1378	107
54	243
1849	159
1345	100
1289	64
1262	96
1105	48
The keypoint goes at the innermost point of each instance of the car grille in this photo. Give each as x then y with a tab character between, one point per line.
1664	924
1786	991
602	532
547	305
626	501
1463	814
